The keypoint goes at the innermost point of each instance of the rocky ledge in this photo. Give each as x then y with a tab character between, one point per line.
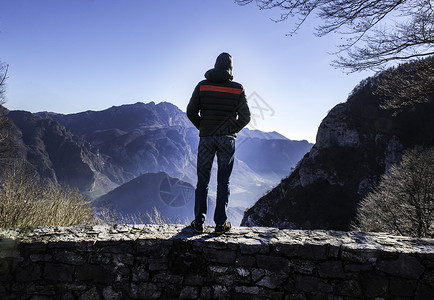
171	262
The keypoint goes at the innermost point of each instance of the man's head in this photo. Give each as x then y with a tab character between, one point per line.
224	62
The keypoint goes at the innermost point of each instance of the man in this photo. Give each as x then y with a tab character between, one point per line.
218	108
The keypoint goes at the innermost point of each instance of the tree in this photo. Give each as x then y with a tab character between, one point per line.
3	76
406	85
5	140
375	32
403	201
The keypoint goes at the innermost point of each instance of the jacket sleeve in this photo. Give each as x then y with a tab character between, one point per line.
243	112
193	108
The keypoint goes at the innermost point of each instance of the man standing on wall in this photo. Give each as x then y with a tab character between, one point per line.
218	108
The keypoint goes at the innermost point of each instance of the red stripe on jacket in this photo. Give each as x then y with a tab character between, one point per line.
222	89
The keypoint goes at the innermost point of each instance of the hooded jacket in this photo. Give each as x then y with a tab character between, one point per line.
218	105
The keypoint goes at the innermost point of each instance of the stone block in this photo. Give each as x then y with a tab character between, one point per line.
94	273
313	251
272	281
206	292
193	280
401	287
245	261
109	293
428	278
349	288
91	294
424	292
69	257
167	278
4	270
58	272
218	269
252	246
219	256
334	250
67	296
331	269
257	274
272	263
169	291
220	291
243	272
307	283
8	248
98	258
250	290
405	266
359	255
358	268
189	292
288	250
148	247
217	245
79	287
126	258
144	291
29	273
295	296
124	247
158	264
303	266
374	285
223	279
41	257
139	273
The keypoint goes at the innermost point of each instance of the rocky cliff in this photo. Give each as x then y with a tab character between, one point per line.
356	143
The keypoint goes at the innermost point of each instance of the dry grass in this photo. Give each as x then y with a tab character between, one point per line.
27	201
111	216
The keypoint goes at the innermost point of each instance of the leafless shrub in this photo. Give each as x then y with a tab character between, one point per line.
28	201
403	201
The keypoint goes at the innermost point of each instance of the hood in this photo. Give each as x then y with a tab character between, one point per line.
222	70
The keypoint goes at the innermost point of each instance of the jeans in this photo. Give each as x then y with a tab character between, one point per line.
224	146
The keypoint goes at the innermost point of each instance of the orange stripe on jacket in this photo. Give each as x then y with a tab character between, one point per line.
222	89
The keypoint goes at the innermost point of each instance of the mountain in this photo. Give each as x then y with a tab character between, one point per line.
356	143
173	199
142	138
99	151
57	154
273	158
247	133
139	138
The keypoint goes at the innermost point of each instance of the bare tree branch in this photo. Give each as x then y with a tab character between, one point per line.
376	32
3	77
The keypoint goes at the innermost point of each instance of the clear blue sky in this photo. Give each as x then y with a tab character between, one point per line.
70	56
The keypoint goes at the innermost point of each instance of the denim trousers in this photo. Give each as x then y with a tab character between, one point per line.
209	146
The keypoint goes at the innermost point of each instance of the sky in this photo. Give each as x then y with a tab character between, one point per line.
69	56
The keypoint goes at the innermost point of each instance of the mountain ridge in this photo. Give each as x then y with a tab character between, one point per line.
121	143
356	143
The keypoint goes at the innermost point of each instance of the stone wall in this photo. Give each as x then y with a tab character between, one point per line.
169	261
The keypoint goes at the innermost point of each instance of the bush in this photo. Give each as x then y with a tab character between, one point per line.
403	201
28	201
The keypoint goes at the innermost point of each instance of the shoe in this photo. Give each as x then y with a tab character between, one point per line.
220	229
197	227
